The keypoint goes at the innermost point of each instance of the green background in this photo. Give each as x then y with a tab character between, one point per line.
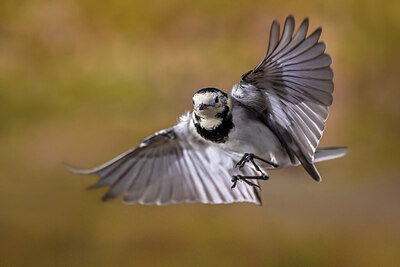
82	81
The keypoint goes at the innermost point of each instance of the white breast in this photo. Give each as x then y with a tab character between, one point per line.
250	135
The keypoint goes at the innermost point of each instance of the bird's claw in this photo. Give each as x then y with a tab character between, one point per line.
237	178
242	161
249	157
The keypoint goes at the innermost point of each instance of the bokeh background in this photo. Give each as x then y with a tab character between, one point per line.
82	81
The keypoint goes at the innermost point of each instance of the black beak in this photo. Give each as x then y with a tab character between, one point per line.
203	106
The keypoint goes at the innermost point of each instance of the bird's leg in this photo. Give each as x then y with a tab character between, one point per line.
237	178
250	157
246	158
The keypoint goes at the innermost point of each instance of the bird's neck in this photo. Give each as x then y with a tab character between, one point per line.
214	128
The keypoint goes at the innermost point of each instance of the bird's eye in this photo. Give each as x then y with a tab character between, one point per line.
216	99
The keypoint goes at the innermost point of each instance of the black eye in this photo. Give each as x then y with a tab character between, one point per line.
216	99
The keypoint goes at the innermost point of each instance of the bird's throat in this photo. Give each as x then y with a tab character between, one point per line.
215	129
210	123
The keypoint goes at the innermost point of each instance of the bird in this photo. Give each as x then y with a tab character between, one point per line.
219	152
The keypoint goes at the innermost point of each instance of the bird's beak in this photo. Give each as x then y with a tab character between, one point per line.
203	106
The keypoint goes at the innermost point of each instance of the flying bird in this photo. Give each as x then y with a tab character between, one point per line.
273	118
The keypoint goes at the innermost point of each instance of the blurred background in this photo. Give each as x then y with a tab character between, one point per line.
83	81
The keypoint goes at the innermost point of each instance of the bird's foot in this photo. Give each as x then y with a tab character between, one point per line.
246	179
251	157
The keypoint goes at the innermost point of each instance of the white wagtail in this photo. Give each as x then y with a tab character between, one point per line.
274	118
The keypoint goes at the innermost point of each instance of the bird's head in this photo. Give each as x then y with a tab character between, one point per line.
212	105
208	102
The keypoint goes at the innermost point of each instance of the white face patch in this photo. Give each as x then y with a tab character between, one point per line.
204	98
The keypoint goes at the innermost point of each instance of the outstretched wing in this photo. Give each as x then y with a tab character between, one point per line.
292	87
172	166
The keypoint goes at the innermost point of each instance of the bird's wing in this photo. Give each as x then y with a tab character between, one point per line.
172	166
292	87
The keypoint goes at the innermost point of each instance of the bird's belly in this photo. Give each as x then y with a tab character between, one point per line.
255	137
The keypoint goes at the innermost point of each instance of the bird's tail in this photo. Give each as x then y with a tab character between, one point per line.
327	153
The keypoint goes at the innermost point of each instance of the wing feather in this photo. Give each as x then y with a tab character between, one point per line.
204	194
191	185
178	186
150	192
273	37
144	169
212	192
296	80
286	36
166	181
297	39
